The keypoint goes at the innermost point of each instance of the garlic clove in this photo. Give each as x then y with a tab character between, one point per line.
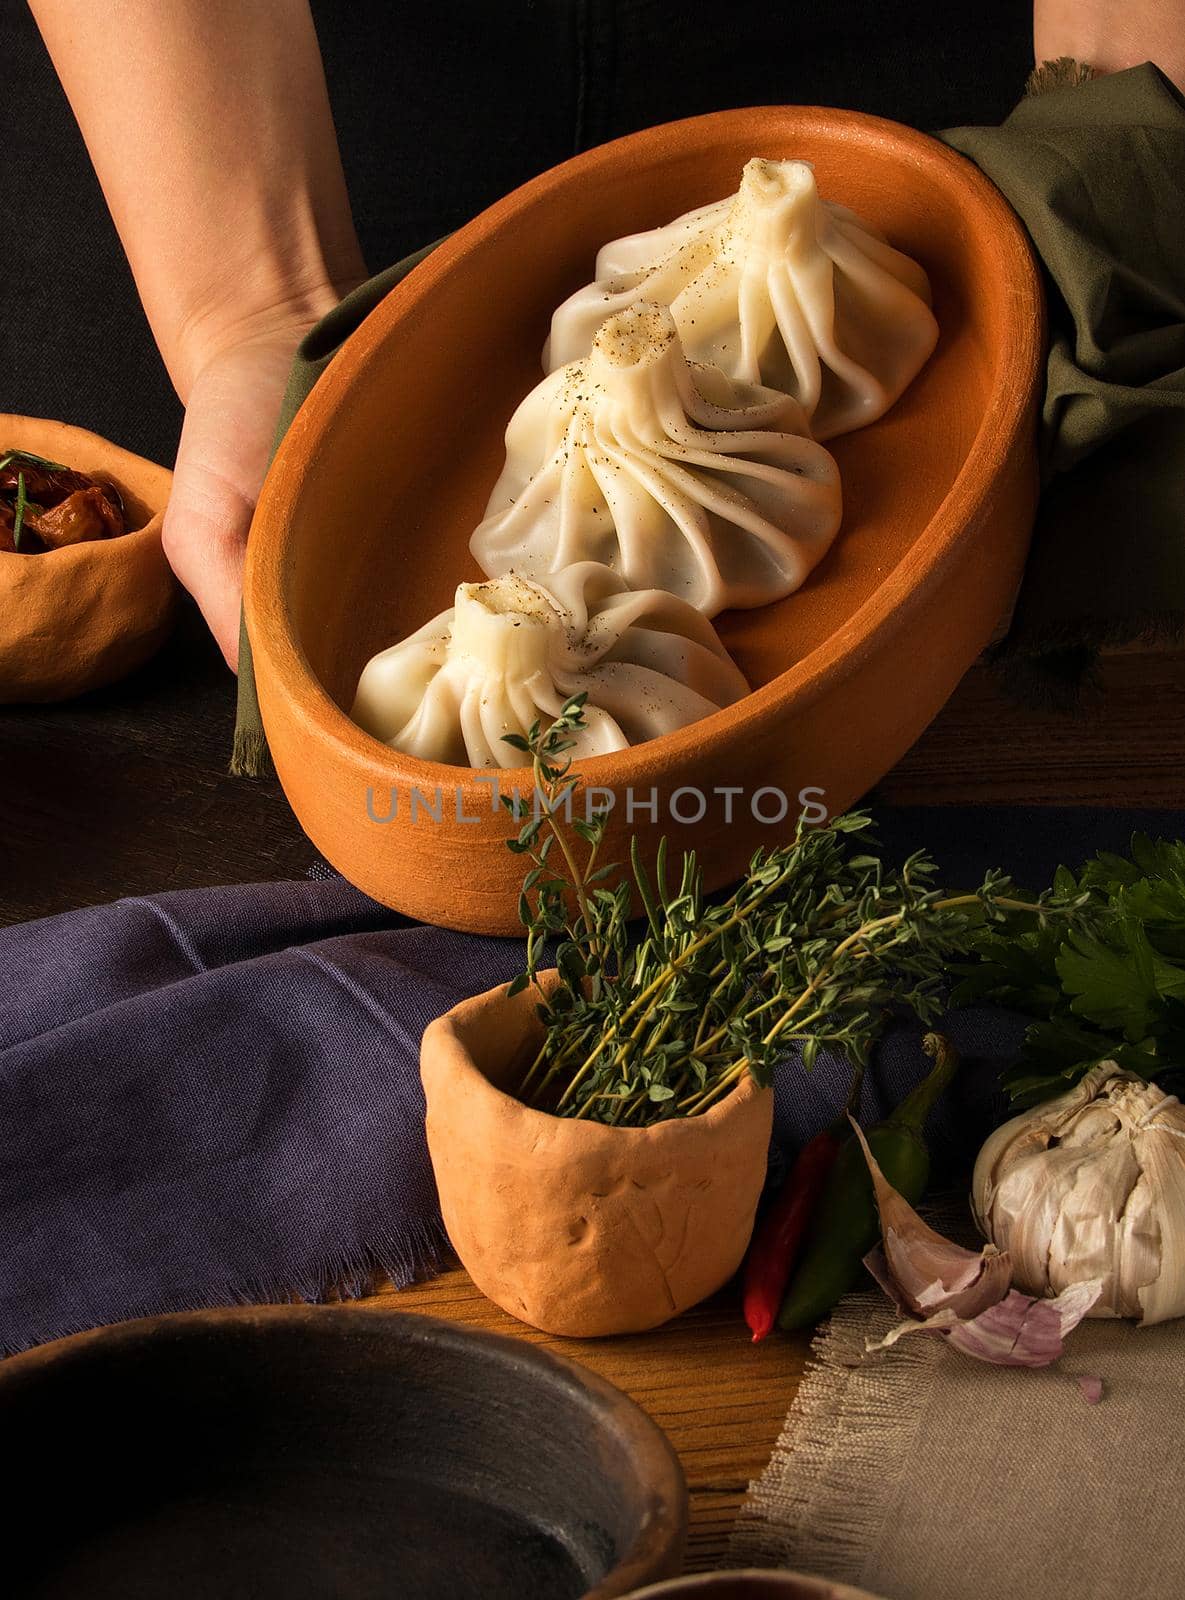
1030	1133
878	1267
1022	1331
1162	1153
927	1273
1018	1331
1065	1208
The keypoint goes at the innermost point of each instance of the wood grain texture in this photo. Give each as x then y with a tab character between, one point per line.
1125	746
720	1399
126	791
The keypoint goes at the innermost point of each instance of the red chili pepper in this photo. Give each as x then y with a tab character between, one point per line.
778	1239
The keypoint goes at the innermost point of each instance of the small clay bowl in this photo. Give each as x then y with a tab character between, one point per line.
574	1227
362	529
81	617
751	1584
299	1451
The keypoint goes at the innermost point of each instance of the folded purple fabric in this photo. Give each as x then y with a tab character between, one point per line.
213	1096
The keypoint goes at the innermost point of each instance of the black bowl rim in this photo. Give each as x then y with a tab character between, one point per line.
657	1547
751	1580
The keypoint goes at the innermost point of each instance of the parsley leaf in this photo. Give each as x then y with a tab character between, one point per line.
1108	986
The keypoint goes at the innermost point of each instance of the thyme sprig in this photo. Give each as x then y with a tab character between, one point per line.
10	456
22	505
18	515
820	943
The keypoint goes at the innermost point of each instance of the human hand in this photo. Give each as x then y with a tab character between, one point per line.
230	423
1110	35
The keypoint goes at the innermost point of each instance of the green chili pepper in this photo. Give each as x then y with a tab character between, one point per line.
846	1225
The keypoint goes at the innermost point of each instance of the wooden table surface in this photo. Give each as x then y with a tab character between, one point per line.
127	792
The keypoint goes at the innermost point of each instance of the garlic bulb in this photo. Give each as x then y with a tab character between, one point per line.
1092	1185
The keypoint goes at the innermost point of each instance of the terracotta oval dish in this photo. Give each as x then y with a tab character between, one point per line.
81	617
578	1228
312	1451
362	529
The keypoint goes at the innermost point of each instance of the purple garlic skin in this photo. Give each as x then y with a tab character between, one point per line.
963	1296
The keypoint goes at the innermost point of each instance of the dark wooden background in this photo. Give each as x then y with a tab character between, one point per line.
127	791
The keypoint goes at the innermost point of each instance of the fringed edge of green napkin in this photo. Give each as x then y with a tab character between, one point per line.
249	757
1061	671
1062	73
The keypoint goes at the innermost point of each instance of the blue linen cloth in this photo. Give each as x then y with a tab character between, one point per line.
212	1096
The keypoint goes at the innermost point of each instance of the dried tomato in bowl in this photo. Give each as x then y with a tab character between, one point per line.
46	506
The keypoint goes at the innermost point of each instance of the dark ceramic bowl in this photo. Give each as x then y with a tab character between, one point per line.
752	1584
337	1453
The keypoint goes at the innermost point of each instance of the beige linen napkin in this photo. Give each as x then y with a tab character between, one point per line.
919	1474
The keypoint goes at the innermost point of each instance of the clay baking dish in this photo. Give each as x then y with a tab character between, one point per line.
274	1453
362	529
81	617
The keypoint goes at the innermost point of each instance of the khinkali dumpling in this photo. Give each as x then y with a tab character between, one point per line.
774	286
675	476
510	653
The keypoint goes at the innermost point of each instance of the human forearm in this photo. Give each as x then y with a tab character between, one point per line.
210	130
209	126
1112	34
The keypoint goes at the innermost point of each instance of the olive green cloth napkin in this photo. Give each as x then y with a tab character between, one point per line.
1097	174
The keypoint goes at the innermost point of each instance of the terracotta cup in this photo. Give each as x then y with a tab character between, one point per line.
363	526
83	616
574	1227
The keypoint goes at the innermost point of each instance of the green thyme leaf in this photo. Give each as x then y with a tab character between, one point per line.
18	516
34	461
